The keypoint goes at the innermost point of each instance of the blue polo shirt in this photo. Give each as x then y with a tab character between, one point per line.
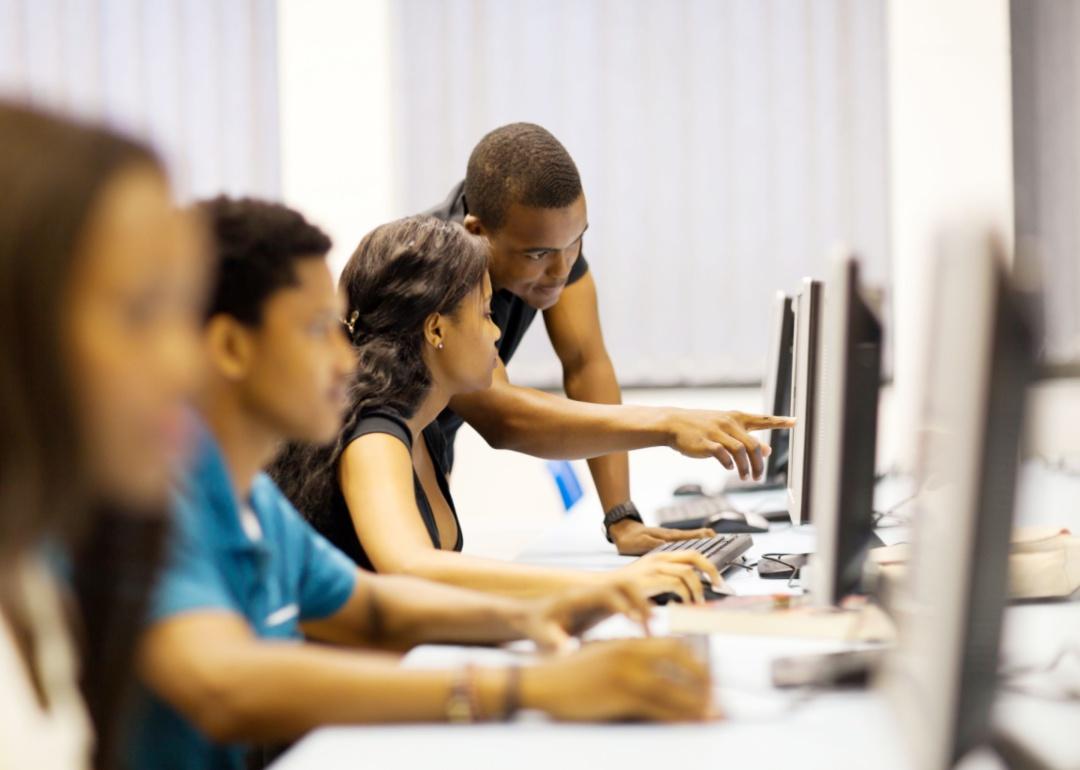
275	579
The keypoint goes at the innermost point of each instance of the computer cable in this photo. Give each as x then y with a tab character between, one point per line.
778	558
891	511
1062	464
742	563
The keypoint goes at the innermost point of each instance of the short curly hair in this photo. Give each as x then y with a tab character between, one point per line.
257	244
519	163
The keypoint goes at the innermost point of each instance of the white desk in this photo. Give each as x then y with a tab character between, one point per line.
765	727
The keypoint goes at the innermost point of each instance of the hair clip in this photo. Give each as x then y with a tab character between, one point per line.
350	324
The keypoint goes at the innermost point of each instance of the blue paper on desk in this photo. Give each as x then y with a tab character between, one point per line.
567	482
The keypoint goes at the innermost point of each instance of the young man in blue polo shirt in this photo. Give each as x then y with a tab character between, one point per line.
224	658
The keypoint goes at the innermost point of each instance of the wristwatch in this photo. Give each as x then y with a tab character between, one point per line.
621	511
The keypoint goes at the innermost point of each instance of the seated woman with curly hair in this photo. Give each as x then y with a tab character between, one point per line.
418	311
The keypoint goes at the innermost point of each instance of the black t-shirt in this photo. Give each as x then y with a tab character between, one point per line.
511	313
336	525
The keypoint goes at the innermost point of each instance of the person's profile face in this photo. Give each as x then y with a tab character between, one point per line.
534	250
301	360
470	355
132	323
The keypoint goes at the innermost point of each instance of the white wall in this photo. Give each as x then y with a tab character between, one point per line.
336	116
950	153
951	159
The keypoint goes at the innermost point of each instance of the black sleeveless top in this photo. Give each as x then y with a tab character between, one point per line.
336	524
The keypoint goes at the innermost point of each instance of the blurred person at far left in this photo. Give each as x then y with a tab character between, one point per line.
101	294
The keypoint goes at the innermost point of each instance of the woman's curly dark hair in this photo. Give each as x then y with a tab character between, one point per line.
400	274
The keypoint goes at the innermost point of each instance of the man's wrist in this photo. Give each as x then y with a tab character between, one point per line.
618	514
620	528
535	687
498	694
666	419
654	424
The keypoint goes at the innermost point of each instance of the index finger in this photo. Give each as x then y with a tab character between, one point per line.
635	606
766	422
639	600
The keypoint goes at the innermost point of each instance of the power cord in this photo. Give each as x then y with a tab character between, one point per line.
1060	465
891	511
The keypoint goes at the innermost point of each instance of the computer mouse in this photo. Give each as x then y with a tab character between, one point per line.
732	522
688	490
669	597
711	595
776	566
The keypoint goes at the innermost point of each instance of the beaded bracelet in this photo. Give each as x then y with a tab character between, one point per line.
462	707
512	698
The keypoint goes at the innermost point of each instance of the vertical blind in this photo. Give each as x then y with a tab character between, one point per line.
1046	162
724	147
197	78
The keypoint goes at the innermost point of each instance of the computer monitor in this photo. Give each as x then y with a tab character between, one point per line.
842	494
777	387
942	677
804	398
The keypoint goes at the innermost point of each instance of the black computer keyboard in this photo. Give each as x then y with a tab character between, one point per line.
693	513
722	550
717	513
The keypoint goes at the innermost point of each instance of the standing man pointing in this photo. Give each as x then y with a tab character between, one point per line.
523	193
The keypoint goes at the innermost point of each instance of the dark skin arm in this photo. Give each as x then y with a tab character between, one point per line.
376	476
236	686
398	612
573	325
592	424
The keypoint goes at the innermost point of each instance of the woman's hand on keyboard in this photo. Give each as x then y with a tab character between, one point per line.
725	436
678	572
655	679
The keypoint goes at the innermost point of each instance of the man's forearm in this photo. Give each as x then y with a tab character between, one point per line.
414	611
611	475
277	692
596	383
556	428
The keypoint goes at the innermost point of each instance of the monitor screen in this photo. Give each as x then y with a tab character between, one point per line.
845	442
942	677
804	398
777	386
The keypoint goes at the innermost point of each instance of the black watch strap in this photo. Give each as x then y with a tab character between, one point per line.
620	512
